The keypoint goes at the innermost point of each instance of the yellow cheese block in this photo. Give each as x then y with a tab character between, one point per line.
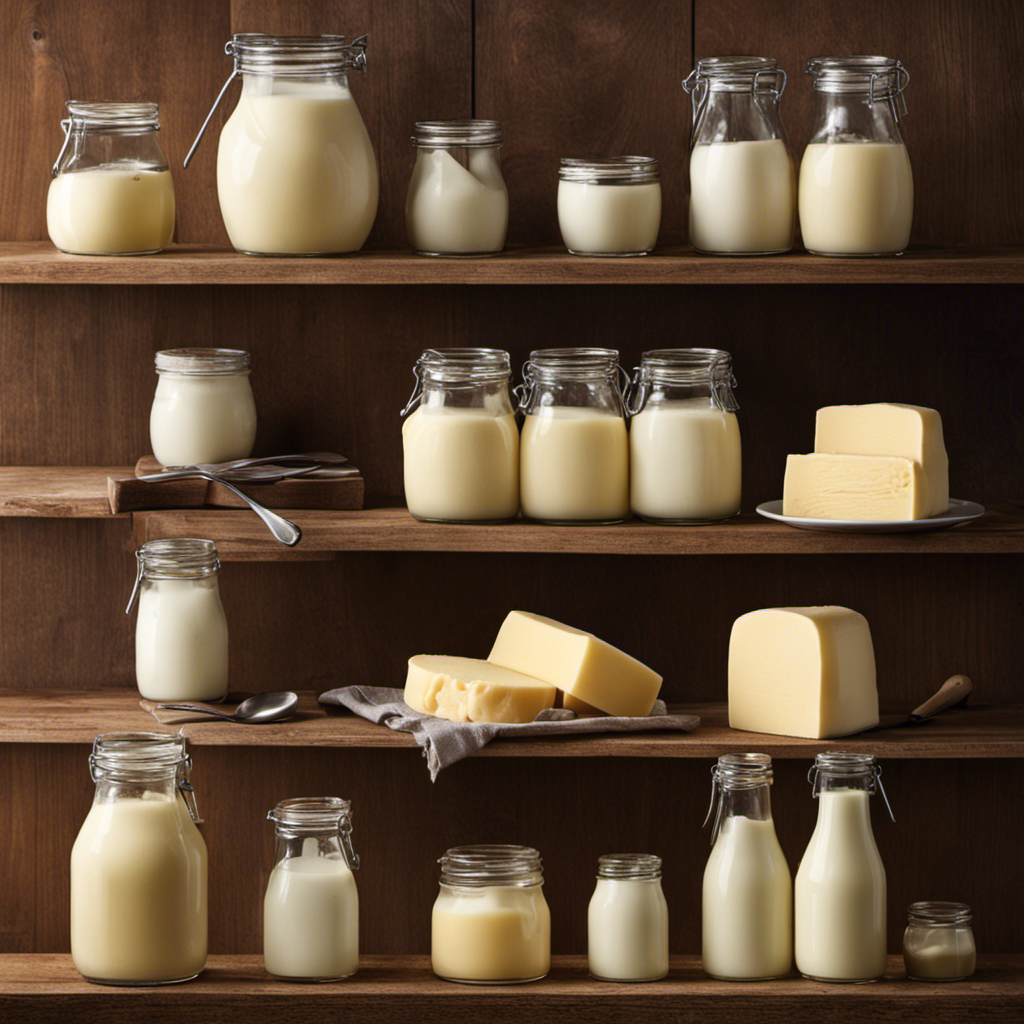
470	690
802	672
581	666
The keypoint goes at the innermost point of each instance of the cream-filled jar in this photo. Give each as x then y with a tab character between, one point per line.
203	409
938	944
457	204
491	924
181	635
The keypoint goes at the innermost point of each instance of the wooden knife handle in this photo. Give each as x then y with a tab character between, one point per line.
953	691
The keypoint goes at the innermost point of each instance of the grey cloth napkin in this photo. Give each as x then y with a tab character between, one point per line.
446	742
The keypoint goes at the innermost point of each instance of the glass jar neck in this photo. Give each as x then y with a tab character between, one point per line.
616	170
740	788
202	362
835	772
475	867
857	98
468	134
736	99
850	118
683	374
629	867
939	914
178	558
468	376
327	820
296	56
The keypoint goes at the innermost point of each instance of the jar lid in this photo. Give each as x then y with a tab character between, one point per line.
939	914
613	170
202	362
629	866
310	815
881	77
469	133
686	365
178	558
736	74
256	53
837	763
111	117
489	865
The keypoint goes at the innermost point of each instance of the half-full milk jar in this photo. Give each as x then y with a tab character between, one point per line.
111	193
856	188
139	867
181	636
748	890
461	442
684	438
574	453
839	894
311	908
742	183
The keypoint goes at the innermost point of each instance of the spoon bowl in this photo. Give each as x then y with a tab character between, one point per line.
263	707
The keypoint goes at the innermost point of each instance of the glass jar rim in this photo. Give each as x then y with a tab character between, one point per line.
611	170
463	366
450	134
257	53
310	815
118	755
858	73
174	558
740	68
486	865
686	365
743	771
629	866
202	362
838	763
111	116
939	914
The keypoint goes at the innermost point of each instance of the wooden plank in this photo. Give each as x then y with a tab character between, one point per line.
75	492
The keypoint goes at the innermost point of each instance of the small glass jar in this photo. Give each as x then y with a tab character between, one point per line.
457	203
684	438
856	187
609	207
181	635
311	908
139	866
742	183
111	193
461	442
627	921
574	453
491	924
203	409
938	944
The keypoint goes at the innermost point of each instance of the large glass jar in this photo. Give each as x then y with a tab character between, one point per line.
181	635
311	908
684	439
457	203
139	866
938	944
111	193
203	409
461	442
574	453
491	924
742	183
856	187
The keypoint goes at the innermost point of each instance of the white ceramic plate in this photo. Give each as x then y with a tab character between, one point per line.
958	512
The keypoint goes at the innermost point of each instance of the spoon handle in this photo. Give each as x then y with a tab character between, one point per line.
952	692
201	708
283	529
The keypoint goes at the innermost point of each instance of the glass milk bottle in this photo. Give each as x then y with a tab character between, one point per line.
311	908
748	890
574	453
684	439
839	895
856	187
461	442
139	866
742	184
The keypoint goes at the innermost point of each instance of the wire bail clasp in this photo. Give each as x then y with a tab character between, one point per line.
894	95
716	792
188	794
696	86
139	570
66	125
345	835
229	50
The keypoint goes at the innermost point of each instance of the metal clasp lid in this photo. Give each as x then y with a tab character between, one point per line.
345	835
894	96
188	794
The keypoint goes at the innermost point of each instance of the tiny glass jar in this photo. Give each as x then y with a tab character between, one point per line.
111	192
203	409
181	634
491	924
574	452
311	907
457	204
856	188
627	920
609	207
938	944
460	440
139	866
684	438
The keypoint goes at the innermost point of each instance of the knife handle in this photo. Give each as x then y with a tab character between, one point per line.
953	691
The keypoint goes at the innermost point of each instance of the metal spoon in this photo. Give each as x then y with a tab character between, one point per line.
264	707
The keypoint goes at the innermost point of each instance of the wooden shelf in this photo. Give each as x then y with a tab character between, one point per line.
68	492
41	263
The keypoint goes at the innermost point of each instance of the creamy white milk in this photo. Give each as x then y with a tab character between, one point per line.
111	210
939	954
627	930
609	219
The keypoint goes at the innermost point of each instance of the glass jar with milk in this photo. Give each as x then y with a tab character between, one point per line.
856	187
111	193
742	183
574	453
139	866
311	908
684	438
461	442
938	944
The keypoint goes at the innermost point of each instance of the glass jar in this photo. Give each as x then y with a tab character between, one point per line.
839	894
461	442
491	924
742	183
111	193
181	635
684	439
748	890
609	207
296	173
203	409
938	944
311	909
856	188
574	453
627	921
139	866
457	203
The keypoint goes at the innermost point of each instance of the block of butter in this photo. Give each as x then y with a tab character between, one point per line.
802	672
470	690
585	669
854	487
